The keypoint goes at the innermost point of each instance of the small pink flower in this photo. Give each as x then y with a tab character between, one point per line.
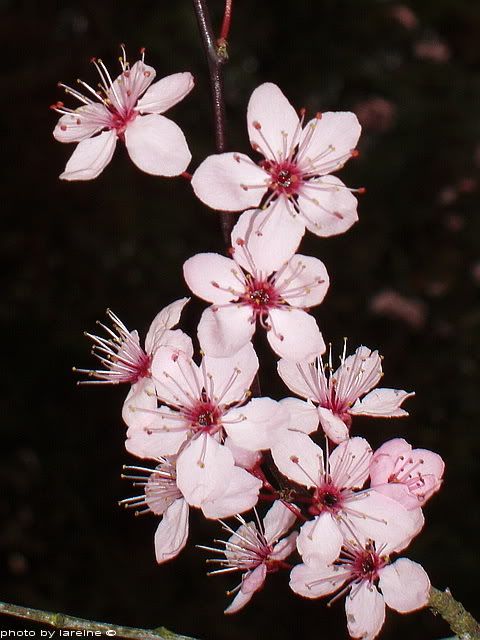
255	550
364	569
120	353
338	394
408	475
155	144
336	501
162	497
243	293
292	187
201	406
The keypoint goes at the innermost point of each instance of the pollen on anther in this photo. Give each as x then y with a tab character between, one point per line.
361	190
256	125
319	115
355	153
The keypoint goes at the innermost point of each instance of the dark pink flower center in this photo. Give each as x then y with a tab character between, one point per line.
120	121
327	497
286	177
367	564
261	296
205	416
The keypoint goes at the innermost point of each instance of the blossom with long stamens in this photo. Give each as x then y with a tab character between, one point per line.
409	475
161	496
338	393
292	187
363	570
336	501
255	549
120	354
128	108
244	294
199	407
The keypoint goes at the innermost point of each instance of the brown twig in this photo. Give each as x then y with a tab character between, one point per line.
216	53
61	621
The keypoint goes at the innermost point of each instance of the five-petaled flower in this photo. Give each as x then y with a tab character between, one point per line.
118	110
292	187
363	568
255	549
255	286
337	393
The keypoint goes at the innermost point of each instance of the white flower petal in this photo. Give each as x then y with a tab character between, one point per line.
90	157
165	93
157	145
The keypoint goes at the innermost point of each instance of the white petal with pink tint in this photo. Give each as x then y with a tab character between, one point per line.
257	424
240	493
333	426
157	145
252	583
278	520
350	463
405	585
175	376
273	236
303	415
335	136
220	181
382	402
224	331
130	84
204	470
365	611
320	540
83	123
306	273
295	334
165	93
380	518
151	435
90	157
172	533
316	580
327	206
243	458
358	374
213	277
299	458
167	318
232	377
285	547
297	377
269	108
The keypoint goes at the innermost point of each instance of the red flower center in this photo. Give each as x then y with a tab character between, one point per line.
326	498
205	417
286	178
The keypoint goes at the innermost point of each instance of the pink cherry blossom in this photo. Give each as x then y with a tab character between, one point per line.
336	501
244	294
408	475
255	549
199	407
364	570
117	111
120	353
338	394
162	497
292	187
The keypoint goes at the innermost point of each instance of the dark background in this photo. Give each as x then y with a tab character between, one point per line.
405	280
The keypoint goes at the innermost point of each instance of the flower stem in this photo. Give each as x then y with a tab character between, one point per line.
224	31
216	53
462	623
61	621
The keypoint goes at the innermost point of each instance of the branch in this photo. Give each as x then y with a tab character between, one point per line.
61	621
462	623
216	52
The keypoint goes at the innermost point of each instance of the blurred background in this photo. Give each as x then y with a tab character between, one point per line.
405	280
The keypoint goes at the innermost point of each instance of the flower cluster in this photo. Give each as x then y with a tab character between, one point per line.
205	442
